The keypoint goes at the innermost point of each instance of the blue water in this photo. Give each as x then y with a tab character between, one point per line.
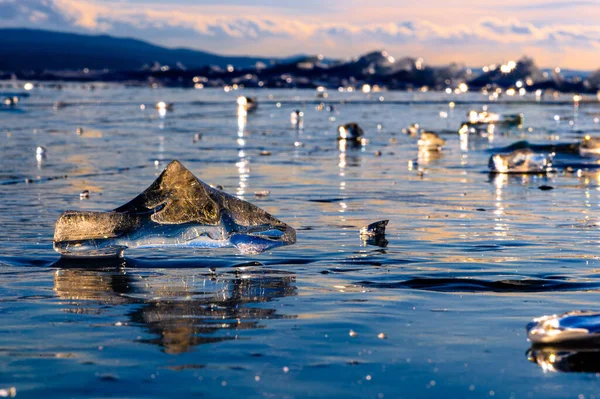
471	258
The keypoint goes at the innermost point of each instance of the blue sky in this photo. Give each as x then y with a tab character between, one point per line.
553	32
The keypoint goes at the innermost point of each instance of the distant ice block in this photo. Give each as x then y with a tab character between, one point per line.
177	210
246	104
568	327
485	117
351	135
350	131
482	117
520	161
374	234
430	141
412	130
297	118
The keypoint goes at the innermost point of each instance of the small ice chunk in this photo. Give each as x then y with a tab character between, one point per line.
412	130
430	141
374	229
351	135
482	117
262	193
297	117
567	327
374	234
350	131
8	392
246	104
520	161
164	106
11	101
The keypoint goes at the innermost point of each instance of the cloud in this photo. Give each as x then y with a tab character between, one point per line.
265	30
31	13
557	5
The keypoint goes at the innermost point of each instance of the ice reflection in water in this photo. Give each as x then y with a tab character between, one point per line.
179	311
242	164
500	227
566	359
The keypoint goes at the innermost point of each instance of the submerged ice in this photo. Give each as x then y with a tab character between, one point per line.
177	210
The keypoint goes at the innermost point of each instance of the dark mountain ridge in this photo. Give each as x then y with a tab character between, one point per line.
29	49
53	56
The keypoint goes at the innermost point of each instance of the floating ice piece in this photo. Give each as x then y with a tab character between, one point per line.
589	146
575	326
350	131
262	194
513	119
412	130
177	210
482	117
246	104
520	161
161	105
297	118
11	101
374	229
351	135
554	148
430	141
374	234
485	117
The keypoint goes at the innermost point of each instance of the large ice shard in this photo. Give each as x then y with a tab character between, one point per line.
177	210
576	326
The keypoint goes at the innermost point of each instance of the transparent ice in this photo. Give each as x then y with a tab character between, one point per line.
571	326
177	210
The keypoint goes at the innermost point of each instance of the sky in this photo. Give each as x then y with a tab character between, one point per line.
472	32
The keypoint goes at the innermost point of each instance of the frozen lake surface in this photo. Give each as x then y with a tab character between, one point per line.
440	312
